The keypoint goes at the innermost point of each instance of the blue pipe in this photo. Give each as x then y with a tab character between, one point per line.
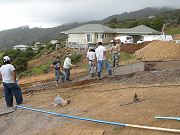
73	117
168	118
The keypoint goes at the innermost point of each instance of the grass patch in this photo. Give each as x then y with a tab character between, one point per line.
76	57
1	54
173	31
36	70
123	56
126	56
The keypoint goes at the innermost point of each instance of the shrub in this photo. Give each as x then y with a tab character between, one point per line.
20	64
13	54
76	57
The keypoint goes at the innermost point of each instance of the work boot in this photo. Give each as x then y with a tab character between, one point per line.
110	72
92	75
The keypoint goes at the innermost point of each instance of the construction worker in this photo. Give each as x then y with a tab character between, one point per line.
57	70
115	52
91	58
67	66
101	57
8	74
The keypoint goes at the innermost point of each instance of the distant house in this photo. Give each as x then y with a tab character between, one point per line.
53	42
21	47
81	37
152	17
38	44
176	38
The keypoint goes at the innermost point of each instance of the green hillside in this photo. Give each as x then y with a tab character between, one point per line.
29	36
172	30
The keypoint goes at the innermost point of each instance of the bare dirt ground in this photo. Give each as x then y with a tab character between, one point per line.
104	99
47	76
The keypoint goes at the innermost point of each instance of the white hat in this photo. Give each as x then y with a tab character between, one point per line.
69	55
91	48
6	58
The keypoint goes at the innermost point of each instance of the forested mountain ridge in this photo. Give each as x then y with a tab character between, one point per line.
26	35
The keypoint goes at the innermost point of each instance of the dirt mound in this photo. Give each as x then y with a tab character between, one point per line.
131	48
159	50
176	37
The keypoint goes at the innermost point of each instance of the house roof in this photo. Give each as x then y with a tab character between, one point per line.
90	28
99	28
138	30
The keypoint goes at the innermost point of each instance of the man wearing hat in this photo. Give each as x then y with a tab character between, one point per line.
115	52
67	66
57	70
11	87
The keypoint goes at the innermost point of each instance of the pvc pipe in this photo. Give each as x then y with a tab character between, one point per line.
154	128
168	118
99	121
68	116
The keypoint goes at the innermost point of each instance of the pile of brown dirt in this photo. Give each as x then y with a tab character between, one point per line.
159	50
176	37
131	48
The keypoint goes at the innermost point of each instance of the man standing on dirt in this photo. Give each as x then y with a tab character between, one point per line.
101	57
57	69
67	66
115	52
11	87
91	58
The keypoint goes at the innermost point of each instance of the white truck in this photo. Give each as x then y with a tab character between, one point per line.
125	39
146	38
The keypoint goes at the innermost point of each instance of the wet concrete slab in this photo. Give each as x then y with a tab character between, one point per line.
129	68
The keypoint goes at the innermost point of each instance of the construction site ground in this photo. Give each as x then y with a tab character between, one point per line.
109	99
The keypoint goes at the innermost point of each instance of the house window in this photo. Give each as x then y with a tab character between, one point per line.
89	37
102	36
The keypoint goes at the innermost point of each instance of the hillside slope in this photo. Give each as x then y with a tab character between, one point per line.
146	12
26	35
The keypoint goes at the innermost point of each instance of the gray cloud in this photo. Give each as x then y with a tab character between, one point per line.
56	12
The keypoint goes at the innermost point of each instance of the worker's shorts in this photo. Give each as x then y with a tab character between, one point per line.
115	57
92	68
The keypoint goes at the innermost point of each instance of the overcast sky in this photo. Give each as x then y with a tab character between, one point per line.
50	13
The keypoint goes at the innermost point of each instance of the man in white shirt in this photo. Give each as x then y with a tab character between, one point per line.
100	52
67	66
11	87
91	57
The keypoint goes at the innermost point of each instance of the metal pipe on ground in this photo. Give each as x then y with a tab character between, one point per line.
99	121
168	118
